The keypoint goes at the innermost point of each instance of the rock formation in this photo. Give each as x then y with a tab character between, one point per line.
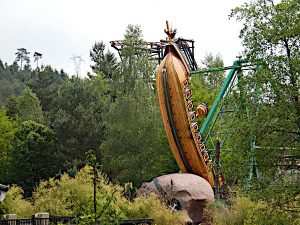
182	191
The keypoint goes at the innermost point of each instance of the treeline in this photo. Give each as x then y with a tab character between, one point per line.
49	120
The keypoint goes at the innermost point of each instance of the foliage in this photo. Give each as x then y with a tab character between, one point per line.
34	155
14	203
73	196
214	80
77	117
106	62
135	139
151	207
244	211
107	212
68	196
205	87
135	64
7	131
45	84
22	56
11	81
63	196
272	33
26	107
281	194
268	102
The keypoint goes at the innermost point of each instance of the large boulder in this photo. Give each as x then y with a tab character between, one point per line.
182	191
3	190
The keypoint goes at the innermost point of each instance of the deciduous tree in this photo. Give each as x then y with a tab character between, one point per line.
268	98
35	155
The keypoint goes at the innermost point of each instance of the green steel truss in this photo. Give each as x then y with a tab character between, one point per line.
218	114
221	110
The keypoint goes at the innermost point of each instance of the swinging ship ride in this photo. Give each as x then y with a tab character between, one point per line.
176	64
178	114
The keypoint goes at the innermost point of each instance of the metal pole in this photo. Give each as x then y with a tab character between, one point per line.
217	168
95	192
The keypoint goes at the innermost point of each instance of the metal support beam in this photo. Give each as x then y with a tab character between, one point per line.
236	66
275	148
213	70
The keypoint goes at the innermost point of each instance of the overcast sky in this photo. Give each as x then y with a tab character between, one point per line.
60	28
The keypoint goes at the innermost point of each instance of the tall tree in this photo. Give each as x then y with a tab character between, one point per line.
135	63
214	80
12	81
45	84
34	155
1	65
205	87
105	62
271	33
22	56
77	117
37	56
268	98
135	140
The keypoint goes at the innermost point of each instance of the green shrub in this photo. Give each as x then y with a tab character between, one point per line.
152	207
14	203
243	211
74	196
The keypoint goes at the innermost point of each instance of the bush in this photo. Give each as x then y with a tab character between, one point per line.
152	207
247	212
74	196
14	203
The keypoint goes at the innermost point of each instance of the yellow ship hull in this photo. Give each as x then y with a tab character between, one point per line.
186	145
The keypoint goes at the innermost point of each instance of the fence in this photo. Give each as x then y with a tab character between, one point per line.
137	221
53	220
67	220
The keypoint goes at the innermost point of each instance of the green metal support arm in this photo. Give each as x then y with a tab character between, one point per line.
236	66
213	70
